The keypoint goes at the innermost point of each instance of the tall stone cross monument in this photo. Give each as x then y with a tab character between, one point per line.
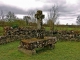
39	17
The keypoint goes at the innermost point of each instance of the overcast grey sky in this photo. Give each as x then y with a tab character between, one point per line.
68	9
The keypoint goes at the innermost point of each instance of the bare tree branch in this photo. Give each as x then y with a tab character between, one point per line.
53	14
78	20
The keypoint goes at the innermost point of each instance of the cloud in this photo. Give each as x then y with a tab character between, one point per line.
7	8
67	11
64	8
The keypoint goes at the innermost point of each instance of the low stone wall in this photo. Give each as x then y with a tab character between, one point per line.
11	34
68	35
27	33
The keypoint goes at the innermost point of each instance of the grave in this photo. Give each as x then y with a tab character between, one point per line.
29	46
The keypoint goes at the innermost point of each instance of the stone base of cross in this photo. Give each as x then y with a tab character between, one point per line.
39	24
39	17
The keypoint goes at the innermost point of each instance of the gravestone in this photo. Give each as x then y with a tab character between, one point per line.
29	45
39	15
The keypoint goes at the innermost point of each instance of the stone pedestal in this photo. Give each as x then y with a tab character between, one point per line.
39	24
28	52
29	46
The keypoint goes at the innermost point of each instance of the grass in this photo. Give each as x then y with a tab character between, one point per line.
1	31
63	51
63	28
47	28
67	28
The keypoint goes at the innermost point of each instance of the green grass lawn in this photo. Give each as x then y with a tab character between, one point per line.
63	51
66	28
1	31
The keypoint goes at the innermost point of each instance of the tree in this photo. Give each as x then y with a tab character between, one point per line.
78	20
50	24
27	18
31	13
17	22
58	22
2	15
10	16
53	14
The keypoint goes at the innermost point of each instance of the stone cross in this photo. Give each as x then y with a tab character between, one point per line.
39	17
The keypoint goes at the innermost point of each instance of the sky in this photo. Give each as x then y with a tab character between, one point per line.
68	9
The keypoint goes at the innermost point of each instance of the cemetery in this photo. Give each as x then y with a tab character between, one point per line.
22	33
30	38
39	30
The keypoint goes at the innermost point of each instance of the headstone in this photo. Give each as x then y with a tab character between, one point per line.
39	17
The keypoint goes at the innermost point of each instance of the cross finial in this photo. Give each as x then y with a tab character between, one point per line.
39	15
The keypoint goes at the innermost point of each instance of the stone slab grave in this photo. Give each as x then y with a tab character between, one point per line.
29	46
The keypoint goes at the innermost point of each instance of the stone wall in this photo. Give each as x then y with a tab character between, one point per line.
11	34
68	35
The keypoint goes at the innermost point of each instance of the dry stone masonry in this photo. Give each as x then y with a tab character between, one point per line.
30	45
